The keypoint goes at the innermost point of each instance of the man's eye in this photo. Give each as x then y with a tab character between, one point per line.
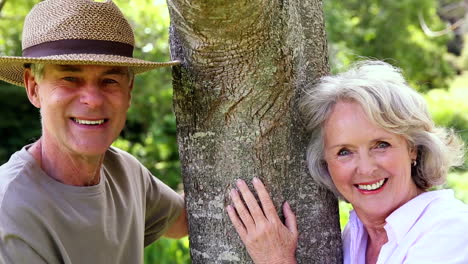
382	145
344	152
109	81
70	79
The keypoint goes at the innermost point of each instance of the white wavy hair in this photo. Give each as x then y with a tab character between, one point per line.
391	104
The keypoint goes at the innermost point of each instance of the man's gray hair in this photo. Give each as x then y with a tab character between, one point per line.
37	71
390	103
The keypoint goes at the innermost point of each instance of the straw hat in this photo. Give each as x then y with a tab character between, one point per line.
75	32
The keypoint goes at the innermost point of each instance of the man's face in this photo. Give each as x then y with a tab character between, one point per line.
83	108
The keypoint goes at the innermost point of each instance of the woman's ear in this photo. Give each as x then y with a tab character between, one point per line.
413	153
31	88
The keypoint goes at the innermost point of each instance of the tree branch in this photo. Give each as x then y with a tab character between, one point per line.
440	33
2	4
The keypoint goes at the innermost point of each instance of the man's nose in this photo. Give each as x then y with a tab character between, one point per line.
92	95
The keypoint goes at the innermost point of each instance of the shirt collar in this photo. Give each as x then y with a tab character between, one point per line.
402	219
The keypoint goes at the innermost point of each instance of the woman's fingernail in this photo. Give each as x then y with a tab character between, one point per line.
255	180
239	182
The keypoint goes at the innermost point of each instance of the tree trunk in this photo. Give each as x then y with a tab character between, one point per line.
244	63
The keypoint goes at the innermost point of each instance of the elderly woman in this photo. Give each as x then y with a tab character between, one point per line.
374	144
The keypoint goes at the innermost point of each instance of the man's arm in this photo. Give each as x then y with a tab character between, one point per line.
179	227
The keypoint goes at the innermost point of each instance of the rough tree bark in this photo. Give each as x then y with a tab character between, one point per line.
243	65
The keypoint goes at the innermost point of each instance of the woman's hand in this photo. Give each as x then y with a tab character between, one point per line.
266	238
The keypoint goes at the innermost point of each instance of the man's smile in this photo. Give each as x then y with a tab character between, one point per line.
89	122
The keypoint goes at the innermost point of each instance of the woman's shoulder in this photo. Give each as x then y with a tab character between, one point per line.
446	207
444	217
430	213
427	210
438	233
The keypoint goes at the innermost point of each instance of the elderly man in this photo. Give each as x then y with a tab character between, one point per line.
70	197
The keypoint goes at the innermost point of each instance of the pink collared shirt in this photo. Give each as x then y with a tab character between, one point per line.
429	229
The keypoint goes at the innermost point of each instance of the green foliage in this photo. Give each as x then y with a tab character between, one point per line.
15	113
388	30
458	181
345	208
11	24
449	108
168	251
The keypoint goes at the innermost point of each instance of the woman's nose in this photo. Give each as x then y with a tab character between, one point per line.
366	164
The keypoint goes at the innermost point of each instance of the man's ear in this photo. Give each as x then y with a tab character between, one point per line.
130	91
31	88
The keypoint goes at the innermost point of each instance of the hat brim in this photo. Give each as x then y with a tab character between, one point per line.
12	68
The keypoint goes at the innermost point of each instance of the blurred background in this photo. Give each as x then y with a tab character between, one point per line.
423	37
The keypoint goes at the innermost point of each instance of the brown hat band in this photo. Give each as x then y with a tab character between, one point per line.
79	46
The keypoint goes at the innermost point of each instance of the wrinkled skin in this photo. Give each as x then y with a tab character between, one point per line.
267	239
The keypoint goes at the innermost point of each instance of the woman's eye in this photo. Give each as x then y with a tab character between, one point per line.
382	145
343	152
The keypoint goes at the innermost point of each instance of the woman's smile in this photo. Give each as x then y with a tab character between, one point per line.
371	170
371	187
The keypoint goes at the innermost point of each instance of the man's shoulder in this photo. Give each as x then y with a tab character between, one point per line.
16	162
120	162
16	169
117	155
16	195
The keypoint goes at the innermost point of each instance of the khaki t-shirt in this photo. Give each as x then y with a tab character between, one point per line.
45	221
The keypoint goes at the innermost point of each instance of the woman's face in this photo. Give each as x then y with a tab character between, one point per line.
370	166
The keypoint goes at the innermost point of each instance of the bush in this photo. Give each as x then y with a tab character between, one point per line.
168	251
450	109
389	30
20	122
